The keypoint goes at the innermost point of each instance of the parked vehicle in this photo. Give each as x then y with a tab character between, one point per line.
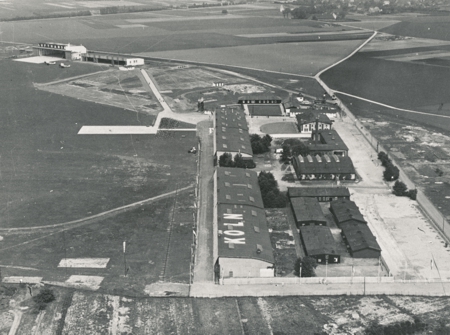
50	62
64	65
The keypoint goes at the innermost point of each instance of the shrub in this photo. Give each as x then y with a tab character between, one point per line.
400	188
43	298
391	173
224	11
412	194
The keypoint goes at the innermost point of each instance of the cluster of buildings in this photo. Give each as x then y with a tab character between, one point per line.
315	235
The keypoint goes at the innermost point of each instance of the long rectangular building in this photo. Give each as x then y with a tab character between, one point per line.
323	194
230	117
360	241
324	168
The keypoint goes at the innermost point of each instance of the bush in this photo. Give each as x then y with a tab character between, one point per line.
43	298
308	266
412	194
224	11
391	173
400	188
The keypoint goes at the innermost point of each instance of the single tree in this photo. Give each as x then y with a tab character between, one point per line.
43	298
286	154
226	160
309	265
399	188
391	173
239	162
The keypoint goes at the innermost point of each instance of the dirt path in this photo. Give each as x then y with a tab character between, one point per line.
16	322
96	217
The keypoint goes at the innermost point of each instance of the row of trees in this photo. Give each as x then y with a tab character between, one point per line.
305	267
226	160
271	195
391	172
304	12
260	144
401	190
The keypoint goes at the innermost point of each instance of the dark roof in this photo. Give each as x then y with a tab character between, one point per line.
233	140
231	118
345	210
310	116
259	97
324	165
318	240
318	192
238	187
359	236
251	224
307	209
328	140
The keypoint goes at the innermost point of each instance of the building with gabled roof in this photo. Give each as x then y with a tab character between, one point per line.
244	246
346	210
310	120
322	194
327	142
234	141
318	242
360	241
307	211
324	167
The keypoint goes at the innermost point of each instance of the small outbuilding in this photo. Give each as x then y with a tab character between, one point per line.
318	242
307	211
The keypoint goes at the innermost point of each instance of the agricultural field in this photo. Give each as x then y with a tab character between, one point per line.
87	313
315	56
432	27
403	84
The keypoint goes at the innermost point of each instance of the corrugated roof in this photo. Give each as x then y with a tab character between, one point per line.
359	236
238	187
328	140
307	209
233	140
231	118
244	227
345	210
310	116
324	165
318	240
318	192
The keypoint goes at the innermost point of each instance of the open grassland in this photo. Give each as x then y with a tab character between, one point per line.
51	175
314	56
125	89
87	313
158	237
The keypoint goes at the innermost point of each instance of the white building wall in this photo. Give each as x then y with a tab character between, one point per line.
134	61
242	267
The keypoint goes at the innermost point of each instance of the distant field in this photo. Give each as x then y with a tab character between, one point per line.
408	85
298	58
434	27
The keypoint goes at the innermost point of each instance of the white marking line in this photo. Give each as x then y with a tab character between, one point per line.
58	5
85	280
116	130
124	26
98	263
26	280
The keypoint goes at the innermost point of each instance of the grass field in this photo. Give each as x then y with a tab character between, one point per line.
433	27
280	128
53	175
87	313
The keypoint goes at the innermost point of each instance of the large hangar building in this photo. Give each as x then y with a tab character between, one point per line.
61	50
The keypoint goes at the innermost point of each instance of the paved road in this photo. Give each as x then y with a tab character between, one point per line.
203	271
16	322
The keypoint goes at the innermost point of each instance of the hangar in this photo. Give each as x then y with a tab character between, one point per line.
61	50
99	57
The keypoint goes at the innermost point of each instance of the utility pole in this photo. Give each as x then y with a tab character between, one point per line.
124	258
